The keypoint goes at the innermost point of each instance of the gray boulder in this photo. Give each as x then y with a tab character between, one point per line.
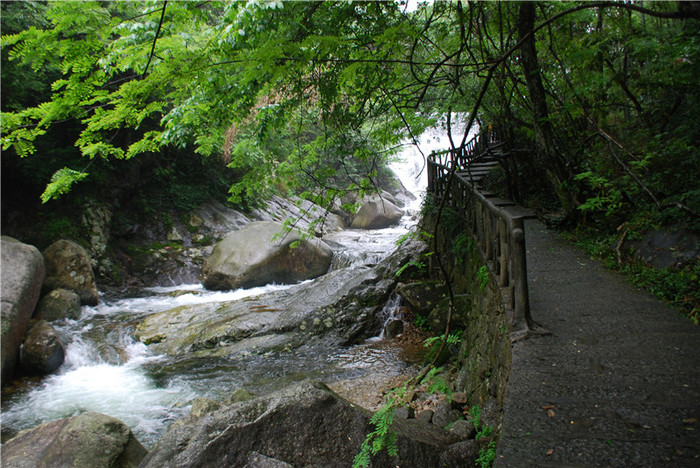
57	305
21	277
89	440
68	266
260	254
304	425
42	351
343	306
376	212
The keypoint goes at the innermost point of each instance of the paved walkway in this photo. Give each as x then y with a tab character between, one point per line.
616	384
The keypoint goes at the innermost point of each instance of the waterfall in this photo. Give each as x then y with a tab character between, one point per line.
390	316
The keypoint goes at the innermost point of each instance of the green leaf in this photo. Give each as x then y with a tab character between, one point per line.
61	183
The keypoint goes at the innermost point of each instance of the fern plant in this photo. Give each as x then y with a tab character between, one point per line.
382	437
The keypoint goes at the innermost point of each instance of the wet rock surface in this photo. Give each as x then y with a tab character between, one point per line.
22	278
376	212
87	440
68	266
304	425
341	306
57	305
42	351
263	253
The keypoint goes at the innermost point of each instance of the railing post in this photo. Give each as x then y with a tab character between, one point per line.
521	313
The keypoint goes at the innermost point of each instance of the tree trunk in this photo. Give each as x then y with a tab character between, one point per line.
553	164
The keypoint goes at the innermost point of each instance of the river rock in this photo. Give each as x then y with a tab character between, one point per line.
57	305
342	306
305	424
42	351
22	275
68	266
303	214
376	212
260	254
88	440
393	329
422	296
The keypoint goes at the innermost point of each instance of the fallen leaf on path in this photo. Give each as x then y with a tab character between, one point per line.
690	421
550	413
547	407
550	451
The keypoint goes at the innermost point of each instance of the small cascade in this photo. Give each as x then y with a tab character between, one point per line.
392	318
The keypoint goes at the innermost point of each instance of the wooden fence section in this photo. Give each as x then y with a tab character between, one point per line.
496	225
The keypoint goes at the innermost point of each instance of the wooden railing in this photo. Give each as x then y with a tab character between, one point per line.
497	226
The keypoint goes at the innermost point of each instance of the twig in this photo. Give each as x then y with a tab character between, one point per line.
155	39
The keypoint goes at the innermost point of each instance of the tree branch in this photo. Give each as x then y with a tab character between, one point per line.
155	39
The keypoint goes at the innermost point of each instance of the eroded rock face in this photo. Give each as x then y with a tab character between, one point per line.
261	254
42	351
57	305
342	306
68	266
22	275
87	440
376	213
304	425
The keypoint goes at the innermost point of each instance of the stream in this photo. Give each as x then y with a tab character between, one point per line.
108	371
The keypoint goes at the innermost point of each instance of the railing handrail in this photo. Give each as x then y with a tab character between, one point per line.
498	232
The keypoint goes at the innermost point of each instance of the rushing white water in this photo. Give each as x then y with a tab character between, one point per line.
107	371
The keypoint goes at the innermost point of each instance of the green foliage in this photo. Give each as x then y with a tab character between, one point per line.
61	183
676	285
487	453
435	383
421	321
608	196
381	438
433	343
482	276
59	227
462	246
420	266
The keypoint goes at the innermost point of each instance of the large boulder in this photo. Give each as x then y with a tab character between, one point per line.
376	212
68	266
57	305
42	351
261	253
304	425
342	306
22	275
88	440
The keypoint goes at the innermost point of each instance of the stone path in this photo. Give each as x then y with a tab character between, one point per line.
617	383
